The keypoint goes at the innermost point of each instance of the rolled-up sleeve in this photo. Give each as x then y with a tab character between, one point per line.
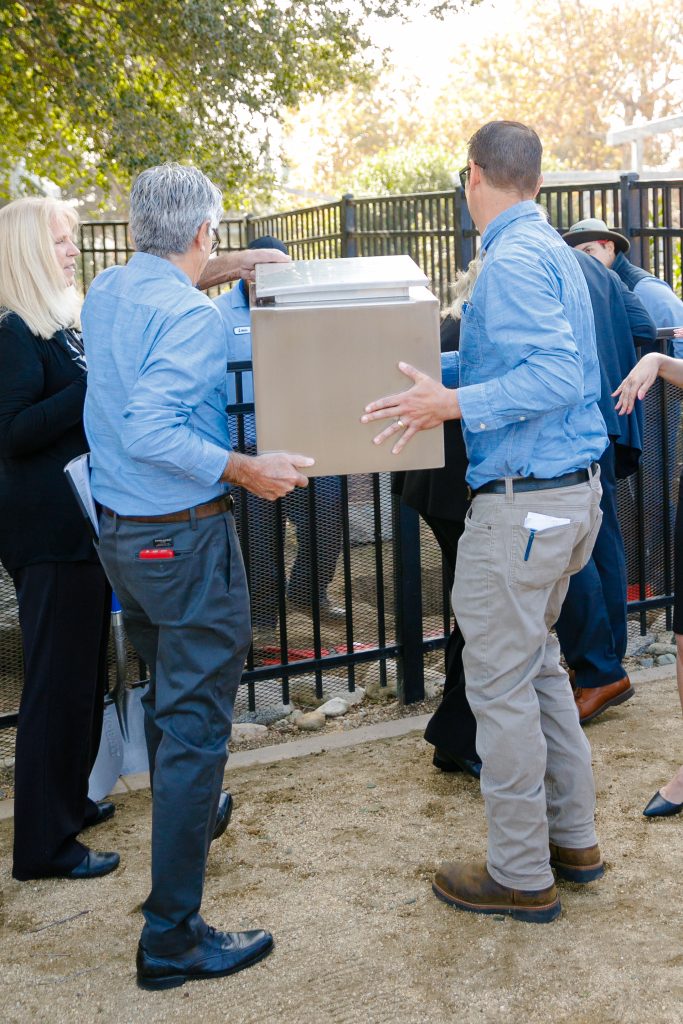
537	344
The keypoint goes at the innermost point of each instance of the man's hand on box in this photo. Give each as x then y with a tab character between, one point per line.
228	266
423	406
268	476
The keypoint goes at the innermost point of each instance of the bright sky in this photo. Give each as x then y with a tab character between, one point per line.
424	45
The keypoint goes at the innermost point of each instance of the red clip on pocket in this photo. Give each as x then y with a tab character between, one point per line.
156	553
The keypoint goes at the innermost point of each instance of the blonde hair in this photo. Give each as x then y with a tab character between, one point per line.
463	286
31	279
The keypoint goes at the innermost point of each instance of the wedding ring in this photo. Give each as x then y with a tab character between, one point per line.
400	423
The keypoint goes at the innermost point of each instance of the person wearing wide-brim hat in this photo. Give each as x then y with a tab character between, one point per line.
587	232
611	247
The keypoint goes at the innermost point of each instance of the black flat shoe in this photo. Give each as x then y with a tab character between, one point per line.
105	811
218	954
223	815
660	807
448	763
94	865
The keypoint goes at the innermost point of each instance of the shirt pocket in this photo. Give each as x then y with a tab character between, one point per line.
470	337
539	558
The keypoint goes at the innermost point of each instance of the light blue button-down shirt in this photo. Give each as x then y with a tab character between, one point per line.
234	308
527	370
664	306
155	403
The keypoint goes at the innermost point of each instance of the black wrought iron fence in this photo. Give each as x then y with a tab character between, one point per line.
387	578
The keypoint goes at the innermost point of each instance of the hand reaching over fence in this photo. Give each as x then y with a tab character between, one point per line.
642	377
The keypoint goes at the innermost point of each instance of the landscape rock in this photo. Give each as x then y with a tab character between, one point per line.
243	732
665	659
662	648
334	707
312	721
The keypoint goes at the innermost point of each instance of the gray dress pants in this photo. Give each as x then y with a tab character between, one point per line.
536	778
188	618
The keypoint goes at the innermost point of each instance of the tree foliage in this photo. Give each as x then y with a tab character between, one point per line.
91	92
573	70
418	167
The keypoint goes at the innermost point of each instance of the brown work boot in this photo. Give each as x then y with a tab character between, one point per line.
470	887
592	701
577	865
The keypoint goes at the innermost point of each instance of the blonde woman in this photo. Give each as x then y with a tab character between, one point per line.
62	592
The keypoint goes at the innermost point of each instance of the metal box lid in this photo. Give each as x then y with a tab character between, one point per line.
357	279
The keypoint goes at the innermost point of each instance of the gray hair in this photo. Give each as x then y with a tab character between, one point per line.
168	205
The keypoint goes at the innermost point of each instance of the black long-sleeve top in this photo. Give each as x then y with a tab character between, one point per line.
42	390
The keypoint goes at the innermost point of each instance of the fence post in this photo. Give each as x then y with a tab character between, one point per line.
630	215
349	242
249	227
410	680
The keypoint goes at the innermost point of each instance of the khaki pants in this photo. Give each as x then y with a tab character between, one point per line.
537	779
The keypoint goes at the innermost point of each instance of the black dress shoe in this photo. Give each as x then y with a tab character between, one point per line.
94	865
105	811
660	807
218	954
223	815
448	763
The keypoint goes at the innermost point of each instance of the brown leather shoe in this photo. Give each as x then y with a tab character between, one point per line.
470	887
577	865
592	701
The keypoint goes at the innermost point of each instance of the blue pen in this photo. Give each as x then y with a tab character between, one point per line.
532	534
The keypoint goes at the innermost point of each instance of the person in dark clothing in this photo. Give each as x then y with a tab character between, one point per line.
592	624
592	627
441	498
62	592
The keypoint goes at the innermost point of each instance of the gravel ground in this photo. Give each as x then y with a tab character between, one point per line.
334	853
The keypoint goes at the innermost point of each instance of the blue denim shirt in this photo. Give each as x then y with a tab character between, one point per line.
527	370
234	308
155	403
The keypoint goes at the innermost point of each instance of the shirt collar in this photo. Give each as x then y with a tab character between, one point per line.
158	266
527	208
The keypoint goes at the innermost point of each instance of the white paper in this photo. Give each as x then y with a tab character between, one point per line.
536	521
78	474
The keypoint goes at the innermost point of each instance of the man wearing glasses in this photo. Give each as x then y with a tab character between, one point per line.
155	416
525	384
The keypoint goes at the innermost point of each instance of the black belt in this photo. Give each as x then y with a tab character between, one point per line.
209	508
537	483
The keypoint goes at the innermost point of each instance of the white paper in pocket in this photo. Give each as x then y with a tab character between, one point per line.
536	521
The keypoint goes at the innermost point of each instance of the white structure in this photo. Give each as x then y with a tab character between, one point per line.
636	135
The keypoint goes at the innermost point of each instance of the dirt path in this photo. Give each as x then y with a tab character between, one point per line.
334	853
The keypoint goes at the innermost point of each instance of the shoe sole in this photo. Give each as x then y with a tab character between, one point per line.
531	915
176	980
580	875
453	766
225	823
626	695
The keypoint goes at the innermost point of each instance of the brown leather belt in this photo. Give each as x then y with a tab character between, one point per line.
209	508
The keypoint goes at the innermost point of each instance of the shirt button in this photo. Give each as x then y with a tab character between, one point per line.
482	426
522	419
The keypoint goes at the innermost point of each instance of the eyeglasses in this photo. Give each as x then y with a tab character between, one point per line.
215	240
464	174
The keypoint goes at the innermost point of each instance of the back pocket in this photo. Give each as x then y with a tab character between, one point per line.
539	558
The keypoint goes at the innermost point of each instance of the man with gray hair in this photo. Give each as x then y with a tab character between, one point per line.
161	459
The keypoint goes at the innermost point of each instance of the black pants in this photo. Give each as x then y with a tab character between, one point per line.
452	728
64	614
